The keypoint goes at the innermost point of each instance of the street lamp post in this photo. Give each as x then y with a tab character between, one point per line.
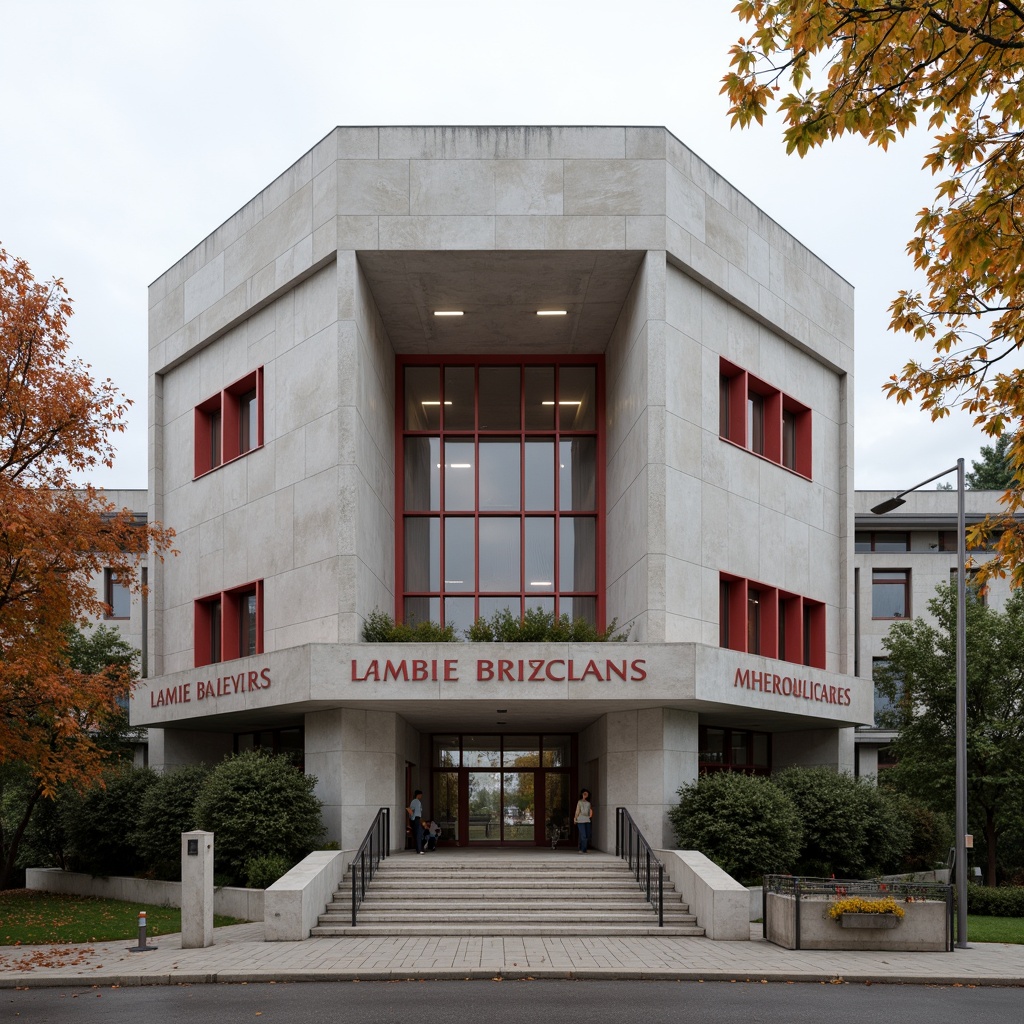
960	864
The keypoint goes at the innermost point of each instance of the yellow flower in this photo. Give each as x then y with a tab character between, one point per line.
859	905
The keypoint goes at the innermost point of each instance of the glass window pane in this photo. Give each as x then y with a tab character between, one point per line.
446	752
446	805
579	608
521	752
459	461
499	554
422	397
861	541
119	598
459	555
540	475
889	594
499	475
557	751
459	614
499	398
540	397
545	604
577	398
739	747
481	752
892	542
577	475
540	556
714	747
422	553
577	553
422	609
422	474
458	398
761	749
490	605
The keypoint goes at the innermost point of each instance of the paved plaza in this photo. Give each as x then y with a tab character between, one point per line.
239	954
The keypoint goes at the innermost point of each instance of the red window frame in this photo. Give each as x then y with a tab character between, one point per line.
555	432
218	624
758	417
224	423
888	578
789	627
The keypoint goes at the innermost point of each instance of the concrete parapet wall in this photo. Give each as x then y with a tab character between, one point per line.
245	904
720	903
921	929
296	900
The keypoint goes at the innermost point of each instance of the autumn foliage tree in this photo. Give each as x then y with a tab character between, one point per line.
56	424
877	68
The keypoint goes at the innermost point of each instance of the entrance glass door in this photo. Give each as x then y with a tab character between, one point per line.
484	806
503	789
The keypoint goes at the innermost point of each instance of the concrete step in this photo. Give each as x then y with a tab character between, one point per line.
439	903
500	910
533	929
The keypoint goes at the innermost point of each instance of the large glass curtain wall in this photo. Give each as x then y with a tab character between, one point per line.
500	489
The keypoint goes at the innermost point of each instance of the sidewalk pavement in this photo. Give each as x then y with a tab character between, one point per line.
239	954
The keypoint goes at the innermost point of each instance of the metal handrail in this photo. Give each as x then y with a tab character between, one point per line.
373	849
633	848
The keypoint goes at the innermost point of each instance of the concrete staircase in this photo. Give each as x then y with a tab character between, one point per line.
500	892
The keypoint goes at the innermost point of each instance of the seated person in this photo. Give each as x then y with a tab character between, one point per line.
431	833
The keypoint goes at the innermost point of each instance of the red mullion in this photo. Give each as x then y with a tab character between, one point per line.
599	555
400	487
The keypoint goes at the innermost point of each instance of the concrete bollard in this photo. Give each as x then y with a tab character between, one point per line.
196	889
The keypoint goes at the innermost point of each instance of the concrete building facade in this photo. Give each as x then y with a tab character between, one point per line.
439	372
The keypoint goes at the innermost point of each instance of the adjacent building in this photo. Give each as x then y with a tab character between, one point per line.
899	560
441	372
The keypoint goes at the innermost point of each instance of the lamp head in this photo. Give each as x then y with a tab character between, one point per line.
888	506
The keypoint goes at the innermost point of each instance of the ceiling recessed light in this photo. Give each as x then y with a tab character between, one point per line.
552	312
435	402
448	312
578	401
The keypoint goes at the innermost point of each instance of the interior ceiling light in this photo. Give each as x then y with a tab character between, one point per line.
552	312
540	583
578	401
435	402
459	465
448	312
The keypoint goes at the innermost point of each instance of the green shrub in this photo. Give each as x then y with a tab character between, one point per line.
98	825
167	810
258	804
265	870
539	626
995	901
745	824
380	628
850	828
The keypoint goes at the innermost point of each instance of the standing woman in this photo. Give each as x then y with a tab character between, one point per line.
584	818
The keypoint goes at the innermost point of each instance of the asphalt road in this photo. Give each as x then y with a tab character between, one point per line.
516	1002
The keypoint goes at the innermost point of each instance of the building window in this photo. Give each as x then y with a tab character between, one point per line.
501	489
975	592
760	418
116	596
229	625
881	541
890	593
229	424
882	703
736	750
771	622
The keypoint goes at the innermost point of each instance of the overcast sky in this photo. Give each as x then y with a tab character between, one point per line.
131	130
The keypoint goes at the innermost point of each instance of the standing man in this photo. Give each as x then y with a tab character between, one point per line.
415	811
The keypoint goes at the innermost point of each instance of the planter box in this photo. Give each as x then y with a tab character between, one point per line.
869	921
923	927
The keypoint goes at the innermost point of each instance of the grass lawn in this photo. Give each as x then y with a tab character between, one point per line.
995	929
30	917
